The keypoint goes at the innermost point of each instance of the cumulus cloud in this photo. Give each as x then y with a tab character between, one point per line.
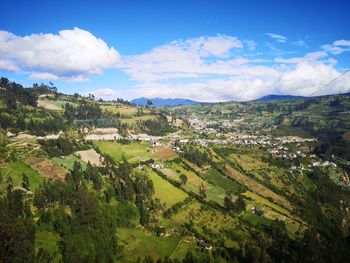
277	37
179	69
183	59
105	93
8	66
303	78
209	68
70	55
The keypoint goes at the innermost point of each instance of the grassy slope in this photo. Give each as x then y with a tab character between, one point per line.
139	242
68	162
166	192
134	152
15	170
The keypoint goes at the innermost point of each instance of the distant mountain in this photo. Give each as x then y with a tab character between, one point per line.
160	102
280	97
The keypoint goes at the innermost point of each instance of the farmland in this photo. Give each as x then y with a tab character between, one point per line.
15	172
134	152
140	243
227	182
164	191
68	161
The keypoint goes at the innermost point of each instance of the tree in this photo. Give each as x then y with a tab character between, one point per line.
228	202
240	204
69	112
183	179
17	232
149	103
202	193
25	181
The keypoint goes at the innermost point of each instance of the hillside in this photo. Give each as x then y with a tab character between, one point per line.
96	181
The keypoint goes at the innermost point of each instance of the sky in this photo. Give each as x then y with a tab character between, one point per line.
202	50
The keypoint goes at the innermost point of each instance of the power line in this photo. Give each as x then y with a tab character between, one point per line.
329	83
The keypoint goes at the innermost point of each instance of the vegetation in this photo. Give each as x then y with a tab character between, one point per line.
237	188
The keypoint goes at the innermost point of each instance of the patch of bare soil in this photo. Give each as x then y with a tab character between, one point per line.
90	156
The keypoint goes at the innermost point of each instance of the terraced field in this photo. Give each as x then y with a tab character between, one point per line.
165	191
256	187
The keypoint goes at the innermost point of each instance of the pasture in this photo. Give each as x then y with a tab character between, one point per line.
121	109
140	243
134	152
57	105
68	161
256	187
165	191
215	177
15	171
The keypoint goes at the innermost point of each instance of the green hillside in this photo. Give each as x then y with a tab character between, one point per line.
258	181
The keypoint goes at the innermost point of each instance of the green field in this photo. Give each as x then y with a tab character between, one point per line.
15	171
59	103
213	191
263	201
215	177
216	194
140	243
68	162
256	219
204	218
165	191
124	110
134	120
183	247
134	152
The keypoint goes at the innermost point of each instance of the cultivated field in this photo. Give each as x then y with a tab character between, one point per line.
141	243
256	187
165	191
68	161
50	170
134	152
90	156
15	171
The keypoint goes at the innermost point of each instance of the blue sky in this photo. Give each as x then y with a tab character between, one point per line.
204	50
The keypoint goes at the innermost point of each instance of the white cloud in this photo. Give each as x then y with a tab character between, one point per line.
184	59
309	57
345	43
251	44
105	93
338	47
70	55
210	68
181	70
278	38
302	79
7	65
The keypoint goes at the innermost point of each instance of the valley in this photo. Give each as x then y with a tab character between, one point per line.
256	181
